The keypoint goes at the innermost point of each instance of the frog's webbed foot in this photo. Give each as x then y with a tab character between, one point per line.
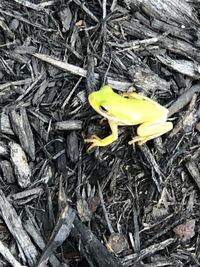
95	140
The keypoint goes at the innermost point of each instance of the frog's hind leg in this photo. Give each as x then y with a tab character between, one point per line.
149	130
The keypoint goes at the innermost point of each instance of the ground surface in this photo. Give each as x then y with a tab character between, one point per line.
119	205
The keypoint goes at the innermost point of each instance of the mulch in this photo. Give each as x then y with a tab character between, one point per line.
120	205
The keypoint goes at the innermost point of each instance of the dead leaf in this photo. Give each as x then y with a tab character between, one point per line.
186	230
117	243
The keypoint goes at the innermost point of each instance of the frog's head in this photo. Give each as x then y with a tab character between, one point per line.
99	100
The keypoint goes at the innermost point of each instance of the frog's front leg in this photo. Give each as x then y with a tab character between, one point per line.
96	141
151	130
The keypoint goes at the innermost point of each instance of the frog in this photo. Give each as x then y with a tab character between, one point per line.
128	109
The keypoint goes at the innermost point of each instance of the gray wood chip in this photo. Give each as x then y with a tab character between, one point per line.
22	129
5	126
14	224
66	18
3	149
60	233
20	164
5	252
68	125
7	171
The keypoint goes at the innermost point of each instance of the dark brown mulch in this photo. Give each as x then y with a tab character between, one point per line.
115	206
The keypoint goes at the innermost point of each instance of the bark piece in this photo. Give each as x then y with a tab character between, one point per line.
68	125
93	250
3	149
60	233
136	257
22	129
66	18
7	171
174	30
180	47
20	164
144	78
5	252
116	84
170	11
14	224
5	126
6	96
26	196
182	66
72	147
184	99
136	29
39	240
194	172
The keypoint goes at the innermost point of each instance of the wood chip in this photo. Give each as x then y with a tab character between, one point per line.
5	126
4	151
194	172
5	252
7	171
68	125
59	234
22	129
20	164
15	226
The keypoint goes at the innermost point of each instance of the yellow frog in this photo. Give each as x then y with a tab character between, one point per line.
128	109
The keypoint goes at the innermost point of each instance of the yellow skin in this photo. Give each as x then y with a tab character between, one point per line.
128	109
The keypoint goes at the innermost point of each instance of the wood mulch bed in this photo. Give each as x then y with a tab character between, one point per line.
120	205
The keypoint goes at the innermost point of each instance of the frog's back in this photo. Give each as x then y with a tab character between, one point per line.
135	111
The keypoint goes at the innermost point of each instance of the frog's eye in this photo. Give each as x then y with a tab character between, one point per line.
103	109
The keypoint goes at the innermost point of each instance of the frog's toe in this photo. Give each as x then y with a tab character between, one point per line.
141	140
95	140
92	146
102	120
95	143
